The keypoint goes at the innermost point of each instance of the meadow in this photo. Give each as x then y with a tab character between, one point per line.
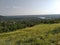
42	34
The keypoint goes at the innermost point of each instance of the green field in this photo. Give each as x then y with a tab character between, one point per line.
42	34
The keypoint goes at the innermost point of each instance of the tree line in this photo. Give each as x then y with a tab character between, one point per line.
13	24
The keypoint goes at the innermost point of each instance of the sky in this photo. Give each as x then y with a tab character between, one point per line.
29	7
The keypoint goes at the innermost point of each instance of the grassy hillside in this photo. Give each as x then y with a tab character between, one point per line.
42	34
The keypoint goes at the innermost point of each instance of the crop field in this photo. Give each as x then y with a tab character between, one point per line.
42	34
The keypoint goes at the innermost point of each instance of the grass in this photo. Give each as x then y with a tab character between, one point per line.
36	35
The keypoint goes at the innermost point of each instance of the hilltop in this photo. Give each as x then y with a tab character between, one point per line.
42	34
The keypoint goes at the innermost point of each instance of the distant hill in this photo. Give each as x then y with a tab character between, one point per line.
54	16
1	16
36	16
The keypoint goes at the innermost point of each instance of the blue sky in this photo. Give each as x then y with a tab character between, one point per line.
29	7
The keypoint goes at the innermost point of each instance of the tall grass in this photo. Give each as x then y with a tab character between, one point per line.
41	34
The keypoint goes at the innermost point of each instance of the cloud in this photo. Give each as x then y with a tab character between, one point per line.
16	7
22	11
29	12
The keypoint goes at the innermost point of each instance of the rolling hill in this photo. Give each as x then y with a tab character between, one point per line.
42	34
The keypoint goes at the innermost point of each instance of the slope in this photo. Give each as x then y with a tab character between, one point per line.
37	35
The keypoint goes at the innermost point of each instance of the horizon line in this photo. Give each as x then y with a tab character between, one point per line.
29	14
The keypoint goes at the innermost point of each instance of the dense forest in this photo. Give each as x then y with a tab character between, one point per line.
8	24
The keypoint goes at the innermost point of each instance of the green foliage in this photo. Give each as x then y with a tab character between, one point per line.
13	24
46	33
36	35
55	31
